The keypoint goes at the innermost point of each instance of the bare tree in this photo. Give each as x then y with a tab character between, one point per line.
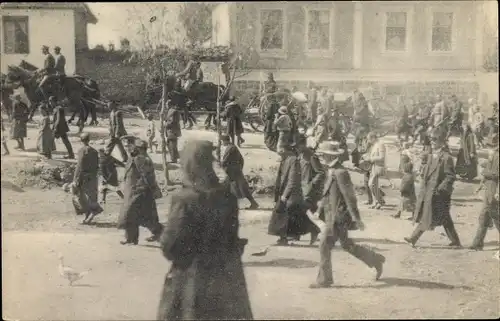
196	18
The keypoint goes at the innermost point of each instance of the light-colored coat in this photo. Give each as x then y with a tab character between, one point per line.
377	155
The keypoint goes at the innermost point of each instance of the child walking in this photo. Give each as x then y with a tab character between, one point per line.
407	189
109	174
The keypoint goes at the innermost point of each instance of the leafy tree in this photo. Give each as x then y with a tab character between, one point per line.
196	17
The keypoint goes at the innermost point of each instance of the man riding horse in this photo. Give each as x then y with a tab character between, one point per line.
49	69
192	74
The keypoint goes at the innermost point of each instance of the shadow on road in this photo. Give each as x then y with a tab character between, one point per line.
152	246
400	282
466	200
377	241
287	263
104	224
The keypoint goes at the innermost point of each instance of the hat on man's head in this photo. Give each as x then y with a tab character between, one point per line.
283	110
57	48
331	148
45	47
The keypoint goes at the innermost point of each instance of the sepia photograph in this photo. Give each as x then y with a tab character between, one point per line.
251	160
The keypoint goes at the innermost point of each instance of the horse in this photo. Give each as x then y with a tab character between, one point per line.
201	96
75	89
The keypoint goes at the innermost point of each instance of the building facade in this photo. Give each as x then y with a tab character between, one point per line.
396	47
26	27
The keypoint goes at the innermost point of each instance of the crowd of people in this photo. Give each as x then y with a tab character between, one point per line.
201	239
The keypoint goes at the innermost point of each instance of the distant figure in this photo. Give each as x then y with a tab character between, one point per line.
116	130
109	174
466	165
407	189
200	239
312	111
477	122
376	157
283	125
60	126
45	139
233	112
151	133
86	181
232	163
172	132
20	114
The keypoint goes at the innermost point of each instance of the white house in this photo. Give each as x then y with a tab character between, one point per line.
27	26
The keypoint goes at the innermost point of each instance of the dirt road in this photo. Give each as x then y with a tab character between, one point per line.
125	282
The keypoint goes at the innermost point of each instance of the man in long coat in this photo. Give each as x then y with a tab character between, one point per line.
466	165
233	113
489	212
139	205
19	129
339	207
60	126
289	218
312	174
232	163
86	181
173	131
434	199
116	130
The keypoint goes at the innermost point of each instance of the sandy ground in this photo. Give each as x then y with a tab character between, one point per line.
430	281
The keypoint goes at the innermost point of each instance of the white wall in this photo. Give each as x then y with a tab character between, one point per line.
46	27
221	32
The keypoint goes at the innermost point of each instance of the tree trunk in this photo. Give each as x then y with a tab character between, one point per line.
163	140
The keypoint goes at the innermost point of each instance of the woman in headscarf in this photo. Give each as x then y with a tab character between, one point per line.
466	166
206	279
45	139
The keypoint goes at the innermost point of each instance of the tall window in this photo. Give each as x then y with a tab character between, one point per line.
442	26
396	31
318	29
15	35
272	26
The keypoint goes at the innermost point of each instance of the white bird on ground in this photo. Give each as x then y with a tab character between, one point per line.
69	273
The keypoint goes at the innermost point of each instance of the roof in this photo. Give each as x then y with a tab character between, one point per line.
77	6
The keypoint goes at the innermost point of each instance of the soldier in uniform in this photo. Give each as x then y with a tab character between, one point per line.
60	64
49	65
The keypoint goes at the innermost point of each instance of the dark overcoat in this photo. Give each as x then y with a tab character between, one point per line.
60	126
233	114
107	167
20	114
85	179
467	158
45	139
139	205
173	124
206	279
289	217
434	199
232	163
116	126
313	177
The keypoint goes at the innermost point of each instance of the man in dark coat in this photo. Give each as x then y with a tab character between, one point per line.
206	279
19	129
312	174
173	131
489	212
60	126
466	165
140	190
86	182
232	163
289	217
116	130
312	105
361	117
233	113
339	207
109	174
434	199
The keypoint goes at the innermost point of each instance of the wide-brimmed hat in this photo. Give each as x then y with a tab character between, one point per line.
283	110
331	148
